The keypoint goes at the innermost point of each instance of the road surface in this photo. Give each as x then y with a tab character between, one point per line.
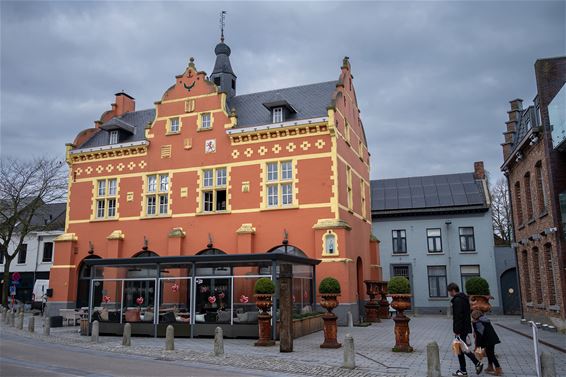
28	357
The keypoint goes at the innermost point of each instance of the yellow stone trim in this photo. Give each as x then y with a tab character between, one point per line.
116	235
293	181
331	224
105	155
246	229
168	122
335	260
64	266
106	197
284	133
352	212
185	98
66	237
177	233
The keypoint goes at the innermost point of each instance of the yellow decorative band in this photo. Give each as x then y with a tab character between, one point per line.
64	266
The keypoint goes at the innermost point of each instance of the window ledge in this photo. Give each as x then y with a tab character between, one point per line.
329	255
204	129
399	254
530	304
468	252
146	217
170	133
439	298
213	213
545	213
554	308
279	208
521	226
103	220
531	220
439	253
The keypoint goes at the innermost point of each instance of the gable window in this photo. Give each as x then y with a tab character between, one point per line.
518	203
349	187
205	121
22	254
157	195
47	252
467	272
214	190
279	183
106	193
174	125
347	131
437	281
277	115
541	194
113	137
434	240
467	241
399	241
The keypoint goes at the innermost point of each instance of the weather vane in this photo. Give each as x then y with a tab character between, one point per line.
222	24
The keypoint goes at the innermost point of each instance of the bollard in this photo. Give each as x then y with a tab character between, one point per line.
31	324
20	323
7	317
127	336
170	338
46	326
547	365
2	314
13	319
349	352
350	320
95	330
218	342
432	360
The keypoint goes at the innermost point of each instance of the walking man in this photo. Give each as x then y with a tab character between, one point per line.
462	327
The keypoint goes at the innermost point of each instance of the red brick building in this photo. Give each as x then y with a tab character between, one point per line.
206	166
534	154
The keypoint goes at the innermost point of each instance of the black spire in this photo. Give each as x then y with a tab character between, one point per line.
222	74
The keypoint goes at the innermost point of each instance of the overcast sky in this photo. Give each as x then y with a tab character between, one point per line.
433	79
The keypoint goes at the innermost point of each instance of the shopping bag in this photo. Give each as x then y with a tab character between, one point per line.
456	347
480	353
463	345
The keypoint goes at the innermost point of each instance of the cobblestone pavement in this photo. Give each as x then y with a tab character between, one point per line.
373	350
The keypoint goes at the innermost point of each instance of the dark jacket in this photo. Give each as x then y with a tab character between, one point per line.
461	320
485	333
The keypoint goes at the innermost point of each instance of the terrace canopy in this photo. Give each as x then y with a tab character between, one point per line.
194	293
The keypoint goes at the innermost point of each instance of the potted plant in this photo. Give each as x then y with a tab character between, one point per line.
478	290
399	290
264	290
329	290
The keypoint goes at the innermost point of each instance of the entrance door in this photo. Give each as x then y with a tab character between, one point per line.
510	292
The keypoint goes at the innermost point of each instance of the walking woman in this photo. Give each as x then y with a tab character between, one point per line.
486	338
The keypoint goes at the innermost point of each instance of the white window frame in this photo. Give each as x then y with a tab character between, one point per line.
279	180
214	180
277	115
106	199
114	136
206	121
175	125
156	195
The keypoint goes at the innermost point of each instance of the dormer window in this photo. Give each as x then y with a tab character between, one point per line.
113	137
277	114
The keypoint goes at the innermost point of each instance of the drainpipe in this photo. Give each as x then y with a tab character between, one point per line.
39	239
448	250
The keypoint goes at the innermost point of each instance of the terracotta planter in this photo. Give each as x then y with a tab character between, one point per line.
400	303
329	302
383	310
372	306
480	302
263	303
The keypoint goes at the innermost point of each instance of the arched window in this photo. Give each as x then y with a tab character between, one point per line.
145	254
536	270
526	276
518	204
550	277
528	196
541	195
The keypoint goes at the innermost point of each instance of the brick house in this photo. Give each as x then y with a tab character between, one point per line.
534	153
207	167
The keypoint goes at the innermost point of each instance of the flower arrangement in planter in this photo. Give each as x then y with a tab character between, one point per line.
264	289
478	290
399	290
329	290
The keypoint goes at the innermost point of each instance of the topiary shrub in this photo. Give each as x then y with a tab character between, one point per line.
264	286
329	286
477	286
398	285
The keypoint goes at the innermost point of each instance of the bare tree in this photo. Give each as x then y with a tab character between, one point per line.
501	210
25	187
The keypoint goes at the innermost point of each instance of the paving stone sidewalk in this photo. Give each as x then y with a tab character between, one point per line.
373	350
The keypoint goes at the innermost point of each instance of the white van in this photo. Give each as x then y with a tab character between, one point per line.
39	290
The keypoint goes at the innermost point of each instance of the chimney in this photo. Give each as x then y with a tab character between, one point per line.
124	104
479	171
514	116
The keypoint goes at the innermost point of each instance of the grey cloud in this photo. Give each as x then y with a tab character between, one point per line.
432	78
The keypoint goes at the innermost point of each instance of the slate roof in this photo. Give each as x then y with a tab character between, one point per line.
138	120
50	217
309	101
527	121
435	193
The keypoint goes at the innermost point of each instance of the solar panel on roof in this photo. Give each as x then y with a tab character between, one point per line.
443	189
457	188
445	200
391	203
439	179
418	202
475	198
471	187
403	182
431	201
427	181
405	203
460	199
404	192
429	190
